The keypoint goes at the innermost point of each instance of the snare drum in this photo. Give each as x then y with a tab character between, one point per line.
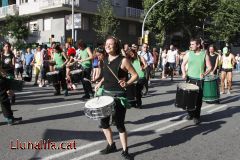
76	75
186	96
99	107
52	77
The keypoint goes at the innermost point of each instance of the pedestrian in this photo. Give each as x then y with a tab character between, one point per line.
149	59
172	59
196	59
28	62
19	65
228	61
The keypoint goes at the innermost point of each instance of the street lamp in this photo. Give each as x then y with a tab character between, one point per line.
72	21
147	15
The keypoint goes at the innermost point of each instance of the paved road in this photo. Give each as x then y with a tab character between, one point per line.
158	131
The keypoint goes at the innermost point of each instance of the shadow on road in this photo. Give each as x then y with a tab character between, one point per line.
54	117
211	123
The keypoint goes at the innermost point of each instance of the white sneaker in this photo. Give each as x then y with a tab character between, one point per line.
228	92
221	92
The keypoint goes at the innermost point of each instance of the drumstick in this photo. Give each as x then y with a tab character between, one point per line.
114	74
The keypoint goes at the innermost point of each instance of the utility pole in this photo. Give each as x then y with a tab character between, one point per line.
147	15
72	21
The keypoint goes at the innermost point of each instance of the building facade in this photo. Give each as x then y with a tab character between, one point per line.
51	19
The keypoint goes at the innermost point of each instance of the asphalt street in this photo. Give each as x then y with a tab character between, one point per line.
157	131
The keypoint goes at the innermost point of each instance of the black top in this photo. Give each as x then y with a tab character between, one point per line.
213	61
6	63
110	82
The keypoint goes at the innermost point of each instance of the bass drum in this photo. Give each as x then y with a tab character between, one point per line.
186	96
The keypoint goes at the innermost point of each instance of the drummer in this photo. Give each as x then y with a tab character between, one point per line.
115	79
85	57
196	59
213	56
139	64
4	99
60	60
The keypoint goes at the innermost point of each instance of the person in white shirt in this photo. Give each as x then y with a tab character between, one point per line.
237	58
164	61
149	59
172	58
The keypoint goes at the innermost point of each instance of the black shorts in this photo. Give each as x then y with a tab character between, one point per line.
227	70
19	70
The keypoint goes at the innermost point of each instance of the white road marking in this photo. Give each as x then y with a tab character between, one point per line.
229	99
72	151
215	109
51	107
19	93
87	155
171	125
57	155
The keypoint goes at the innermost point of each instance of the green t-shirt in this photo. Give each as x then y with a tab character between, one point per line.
137	66
196	64
84	55
59	59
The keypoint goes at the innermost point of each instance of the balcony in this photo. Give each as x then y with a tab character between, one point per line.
9	10
134	13
49	4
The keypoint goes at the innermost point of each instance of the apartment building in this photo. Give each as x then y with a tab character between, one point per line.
52	18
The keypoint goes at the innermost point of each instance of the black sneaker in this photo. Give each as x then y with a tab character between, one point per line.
188	117
13	100
126	155
12	121
109	149
196	121
84	97
56	93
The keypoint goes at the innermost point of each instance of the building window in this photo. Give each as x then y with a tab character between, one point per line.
135	4
23	1
47	24
132	29
85	23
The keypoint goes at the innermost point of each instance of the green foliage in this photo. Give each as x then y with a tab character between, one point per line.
105	23
15	27
225	22
216	19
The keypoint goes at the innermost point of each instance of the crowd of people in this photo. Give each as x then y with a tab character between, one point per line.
115	67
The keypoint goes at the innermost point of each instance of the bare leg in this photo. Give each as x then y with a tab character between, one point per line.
108	135
123	139
223	76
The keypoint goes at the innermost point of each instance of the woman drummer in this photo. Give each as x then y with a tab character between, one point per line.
115	81
60	60
139	64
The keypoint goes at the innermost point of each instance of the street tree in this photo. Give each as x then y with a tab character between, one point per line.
225	22
15	27
172	16
105	23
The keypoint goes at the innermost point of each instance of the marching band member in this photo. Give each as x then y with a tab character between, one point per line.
4	85
197	59
60	60
115	75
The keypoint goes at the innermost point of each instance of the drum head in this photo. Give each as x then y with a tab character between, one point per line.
76	71
210	78
99	102
188	86
52	73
